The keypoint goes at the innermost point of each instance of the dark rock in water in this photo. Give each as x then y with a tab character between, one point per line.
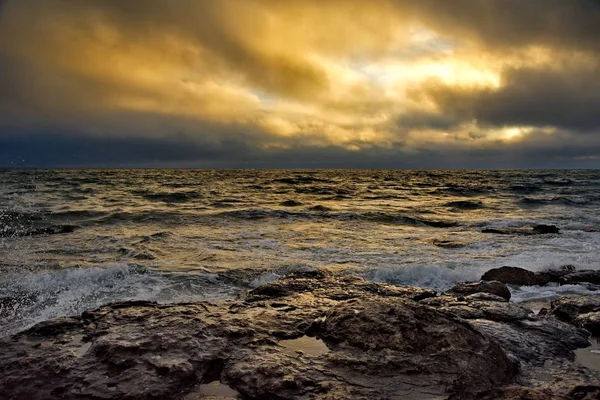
519	276
290	203
438	224
544	229
581	311
536	230
493	287
509	231
382	342
586	276
513	276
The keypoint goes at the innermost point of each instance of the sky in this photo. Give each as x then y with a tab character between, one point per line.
300	83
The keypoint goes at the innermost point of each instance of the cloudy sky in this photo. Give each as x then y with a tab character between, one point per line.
300	83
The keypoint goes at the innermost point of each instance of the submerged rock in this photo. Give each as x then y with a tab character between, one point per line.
378	342
536	230
543	229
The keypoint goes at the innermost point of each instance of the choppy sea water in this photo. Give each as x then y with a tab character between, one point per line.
75	239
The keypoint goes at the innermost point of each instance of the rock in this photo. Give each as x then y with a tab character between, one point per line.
565	275
519	276
492	287
489	307
382	342
536	230
509	231
512	276
544	229
586	276
406	339
581	311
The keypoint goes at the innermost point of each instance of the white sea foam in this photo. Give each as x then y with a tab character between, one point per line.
35	297
548	292
428	276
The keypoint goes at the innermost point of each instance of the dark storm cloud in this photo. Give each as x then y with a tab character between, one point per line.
417	119
59	150
571	24
565	98
270	83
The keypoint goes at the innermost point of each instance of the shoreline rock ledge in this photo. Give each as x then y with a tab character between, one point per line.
374	341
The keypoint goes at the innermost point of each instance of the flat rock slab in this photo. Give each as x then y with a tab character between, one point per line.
311	335
582	311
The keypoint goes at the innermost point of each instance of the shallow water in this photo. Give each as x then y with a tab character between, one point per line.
181	235
590	356
306	345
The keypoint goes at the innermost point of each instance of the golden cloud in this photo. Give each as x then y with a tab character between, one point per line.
350	73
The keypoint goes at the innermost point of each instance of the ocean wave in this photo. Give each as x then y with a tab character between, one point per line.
77	214
322	212
566	201
467	191
31	298
435	277
165	217
324	191
548	292
300	180
525	188
465	205
169	197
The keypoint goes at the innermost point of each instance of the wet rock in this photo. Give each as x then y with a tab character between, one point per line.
564	275
581	311
413	341
524	231
513	276
544	229
510	231
587	276
476	306
492	287
382	342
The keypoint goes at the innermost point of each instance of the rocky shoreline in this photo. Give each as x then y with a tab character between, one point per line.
316	335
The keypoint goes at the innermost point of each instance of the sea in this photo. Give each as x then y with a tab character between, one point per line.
71	240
